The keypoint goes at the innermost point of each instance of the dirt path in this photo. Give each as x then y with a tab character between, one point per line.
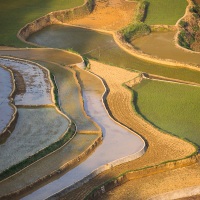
109	15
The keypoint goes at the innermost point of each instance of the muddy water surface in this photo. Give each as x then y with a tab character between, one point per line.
102	47
162	45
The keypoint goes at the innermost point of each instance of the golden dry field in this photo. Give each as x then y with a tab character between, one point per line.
109	15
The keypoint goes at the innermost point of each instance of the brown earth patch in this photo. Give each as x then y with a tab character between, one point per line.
197	1
108	15
19	82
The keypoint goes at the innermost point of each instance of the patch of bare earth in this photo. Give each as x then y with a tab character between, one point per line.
108	15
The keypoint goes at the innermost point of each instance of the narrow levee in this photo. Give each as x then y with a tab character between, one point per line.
118	142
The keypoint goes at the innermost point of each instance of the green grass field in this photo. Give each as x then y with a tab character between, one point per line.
165	11
15	14
174	108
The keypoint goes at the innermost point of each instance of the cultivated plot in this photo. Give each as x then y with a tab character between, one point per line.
165	12
171	107
6	89
36	88
36	129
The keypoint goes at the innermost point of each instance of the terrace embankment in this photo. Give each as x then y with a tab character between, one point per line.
8	110
114	135
70	154
56	17
118	100
189	27
152	187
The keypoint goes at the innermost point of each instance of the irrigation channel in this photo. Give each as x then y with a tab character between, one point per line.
118	142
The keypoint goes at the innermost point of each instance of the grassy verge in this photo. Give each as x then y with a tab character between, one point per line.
15	14
173	108
165	12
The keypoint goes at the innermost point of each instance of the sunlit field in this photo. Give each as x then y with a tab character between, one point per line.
165	12
174	108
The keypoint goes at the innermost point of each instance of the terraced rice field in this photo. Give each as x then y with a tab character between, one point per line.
34	86
6	90
123	112
15	14
151	44
165	12
28	176
30	135
70	97
151	187
102	47
171	107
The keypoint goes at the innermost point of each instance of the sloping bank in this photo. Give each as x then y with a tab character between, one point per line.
56	17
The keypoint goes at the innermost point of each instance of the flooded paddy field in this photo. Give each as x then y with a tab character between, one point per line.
70	96
162	45
115	136
102	47
34	85
6	89
43	54
39	169
30	135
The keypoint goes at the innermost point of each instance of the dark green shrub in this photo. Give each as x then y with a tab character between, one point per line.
183	23
135	30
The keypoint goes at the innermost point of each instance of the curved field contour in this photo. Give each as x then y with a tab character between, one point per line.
6	88
37	87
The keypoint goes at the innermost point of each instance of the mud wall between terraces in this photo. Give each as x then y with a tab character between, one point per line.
67	166
140	173
11	125
57	17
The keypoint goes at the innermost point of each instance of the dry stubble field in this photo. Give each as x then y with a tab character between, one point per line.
109	15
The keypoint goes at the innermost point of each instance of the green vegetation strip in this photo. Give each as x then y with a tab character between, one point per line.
16	14
173	108
165	12
54	146
19	166
123	175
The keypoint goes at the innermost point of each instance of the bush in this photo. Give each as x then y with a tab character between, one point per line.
136	30
183	23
